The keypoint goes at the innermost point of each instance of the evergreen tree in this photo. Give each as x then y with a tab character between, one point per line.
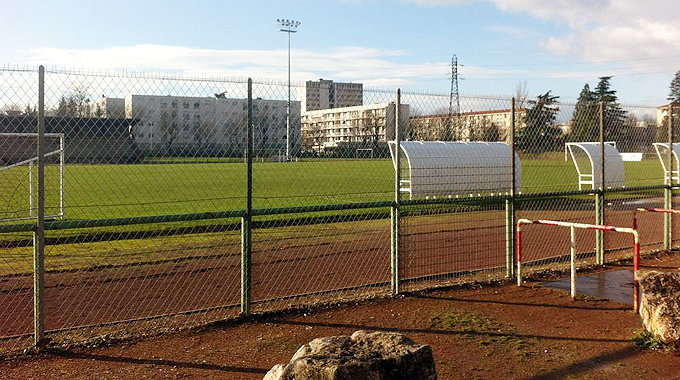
585	120
674	95
614	115
540	133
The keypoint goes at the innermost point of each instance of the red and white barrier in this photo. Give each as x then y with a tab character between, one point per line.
573	226
661	210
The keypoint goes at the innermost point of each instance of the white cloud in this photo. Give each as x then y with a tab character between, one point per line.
359	64
601	30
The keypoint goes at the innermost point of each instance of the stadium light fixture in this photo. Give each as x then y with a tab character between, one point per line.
288	26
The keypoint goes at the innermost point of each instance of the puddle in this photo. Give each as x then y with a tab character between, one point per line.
615	285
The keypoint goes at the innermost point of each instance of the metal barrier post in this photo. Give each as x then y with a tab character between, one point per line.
394	259
573	262
510	202
599	196
667	193
39	234
246	220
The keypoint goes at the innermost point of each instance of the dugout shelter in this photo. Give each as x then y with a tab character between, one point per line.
455	168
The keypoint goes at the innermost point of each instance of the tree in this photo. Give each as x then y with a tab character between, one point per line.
586	117
73	104
492	133
674	95
31	111
168	128
11	109
312	138
585	120
614	115
202	133
540	133
521	94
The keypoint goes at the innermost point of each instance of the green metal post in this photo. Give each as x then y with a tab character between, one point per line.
395	246
599	196
510	204
39	233
246	221
668	192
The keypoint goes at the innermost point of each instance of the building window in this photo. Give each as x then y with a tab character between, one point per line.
186	105
174	104
197	104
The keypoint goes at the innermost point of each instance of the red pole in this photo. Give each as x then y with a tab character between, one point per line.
636	266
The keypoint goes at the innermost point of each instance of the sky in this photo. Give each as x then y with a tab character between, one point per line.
556	45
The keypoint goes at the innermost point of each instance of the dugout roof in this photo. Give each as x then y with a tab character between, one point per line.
590	176
445	168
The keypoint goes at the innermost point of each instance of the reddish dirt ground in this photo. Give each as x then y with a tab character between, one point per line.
489	332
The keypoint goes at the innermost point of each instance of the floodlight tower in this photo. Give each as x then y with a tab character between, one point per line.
288	26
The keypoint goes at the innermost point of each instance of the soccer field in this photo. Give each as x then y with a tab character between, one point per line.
109	191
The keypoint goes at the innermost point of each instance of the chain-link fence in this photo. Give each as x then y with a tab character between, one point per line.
141	203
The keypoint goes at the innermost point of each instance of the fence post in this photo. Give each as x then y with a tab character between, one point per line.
39	234
394	214
510	202
246	220
599	196
668	193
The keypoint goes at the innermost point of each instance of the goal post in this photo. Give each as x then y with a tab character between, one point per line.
364	153
18	181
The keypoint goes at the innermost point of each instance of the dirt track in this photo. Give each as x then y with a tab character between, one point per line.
309	260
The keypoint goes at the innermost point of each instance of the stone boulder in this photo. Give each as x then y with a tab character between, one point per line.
365	356
660	304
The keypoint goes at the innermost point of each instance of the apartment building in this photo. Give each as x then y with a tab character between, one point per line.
493	125
323	130
324	94
109	108
207	125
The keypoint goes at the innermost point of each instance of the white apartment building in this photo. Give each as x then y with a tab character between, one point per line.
471	125
113	108
662	113
213	125
324	94
324	129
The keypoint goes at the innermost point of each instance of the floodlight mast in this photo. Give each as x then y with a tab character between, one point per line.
288	26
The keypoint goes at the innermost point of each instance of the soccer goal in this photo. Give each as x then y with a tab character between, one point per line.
19	176
364	153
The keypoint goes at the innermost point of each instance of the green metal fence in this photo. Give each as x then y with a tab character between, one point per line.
190	200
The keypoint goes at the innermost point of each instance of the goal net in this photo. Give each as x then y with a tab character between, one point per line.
364	153
19	176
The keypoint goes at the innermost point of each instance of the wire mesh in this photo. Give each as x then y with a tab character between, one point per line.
156	164
547	248
321	258
620	209
448	244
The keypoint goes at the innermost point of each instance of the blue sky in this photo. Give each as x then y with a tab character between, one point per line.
554	45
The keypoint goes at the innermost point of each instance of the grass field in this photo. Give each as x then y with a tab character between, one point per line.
109	191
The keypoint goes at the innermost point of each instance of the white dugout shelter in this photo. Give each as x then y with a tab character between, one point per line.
662	153
447	168
589	172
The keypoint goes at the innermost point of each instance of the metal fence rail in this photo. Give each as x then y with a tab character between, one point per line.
177	201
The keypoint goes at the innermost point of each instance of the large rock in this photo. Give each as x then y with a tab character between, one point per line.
365	356
660	304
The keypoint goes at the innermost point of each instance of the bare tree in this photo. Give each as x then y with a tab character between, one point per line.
168	128
521	94
11	109
73	104
312	138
